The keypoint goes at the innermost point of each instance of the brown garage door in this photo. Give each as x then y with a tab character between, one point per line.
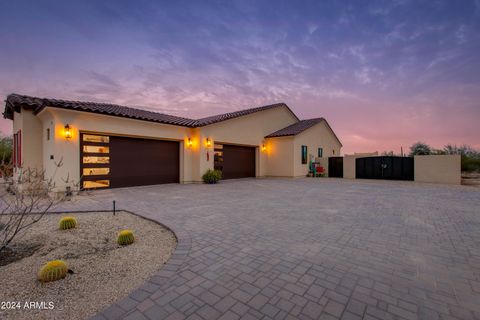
110	161
238	162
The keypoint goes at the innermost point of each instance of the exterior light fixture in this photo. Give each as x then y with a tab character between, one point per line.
67	131
209	142
264	148
189	142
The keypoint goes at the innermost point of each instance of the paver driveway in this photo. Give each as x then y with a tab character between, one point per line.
308	249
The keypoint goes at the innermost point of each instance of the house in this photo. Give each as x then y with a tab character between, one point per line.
106	145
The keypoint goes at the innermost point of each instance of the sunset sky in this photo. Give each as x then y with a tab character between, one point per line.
384	74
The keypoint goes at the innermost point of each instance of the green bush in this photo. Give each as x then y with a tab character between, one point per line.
212	176
5	149
470	164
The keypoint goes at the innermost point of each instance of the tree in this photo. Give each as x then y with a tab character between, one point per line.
470	156
420	149
388	153
24	199
5	149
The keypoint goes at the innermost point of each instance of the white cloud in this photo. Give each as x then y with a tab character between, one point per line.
363	75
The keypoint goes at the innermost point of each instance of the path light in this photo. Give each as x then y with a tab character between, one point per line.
67	131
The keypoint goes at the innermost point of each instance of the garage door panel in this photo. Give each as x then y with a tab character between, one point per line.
238	162
136	162
124	162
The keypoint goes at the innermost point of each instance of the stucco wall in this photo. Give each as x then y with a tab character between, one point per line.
249	130
280	157
318	136
438	169
31	145
349	166
69	150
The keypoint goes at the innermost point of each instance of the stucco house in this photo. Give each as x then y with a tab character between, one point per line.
105	145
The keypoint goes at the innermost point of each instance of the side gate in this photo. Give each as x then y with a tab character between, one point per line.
335	167
389	168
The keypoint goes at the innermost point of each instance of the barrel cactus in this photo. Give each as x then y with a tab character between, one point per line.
68	223
52	271
125	237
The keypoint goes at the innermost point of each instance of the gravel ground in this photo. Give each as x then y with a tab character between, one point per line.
103	271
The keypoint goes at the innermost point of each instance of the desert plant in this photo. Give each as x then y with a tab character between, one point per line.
52	271
420	149
125	237
67	223
25	197
5	149
212	176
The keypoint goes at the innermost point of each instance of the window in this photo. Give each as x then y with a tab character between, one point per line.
96	160
304	154
48	134
96	149
95	171
92	138
218	157
96	184
320	152
17	149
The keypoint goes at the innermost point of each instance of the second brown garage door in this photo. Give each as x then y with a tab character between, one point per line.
238	162
137	162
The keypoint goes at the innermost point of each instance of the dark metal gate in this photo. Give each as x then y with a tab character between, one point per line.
390	168
335	167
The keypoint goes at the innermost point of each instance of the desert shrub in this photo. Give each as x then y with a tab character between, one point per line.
470	164
67	223
26	192
212	176
420	149
125	237
52	271
5	149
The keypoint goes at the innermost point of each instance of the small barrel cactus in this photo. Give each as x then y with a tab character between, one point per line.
68	223
52	271
125	237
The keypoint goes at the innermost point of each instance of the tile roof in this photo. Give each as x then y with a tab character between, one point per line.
15	101
295	128
225	116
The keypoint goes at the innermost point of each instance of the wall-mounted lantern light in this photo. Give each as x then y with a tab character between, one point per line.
189	142
209	143
67	131
264	147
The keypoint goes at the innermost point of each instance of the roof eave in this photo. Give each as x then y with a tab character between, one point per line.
40	109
